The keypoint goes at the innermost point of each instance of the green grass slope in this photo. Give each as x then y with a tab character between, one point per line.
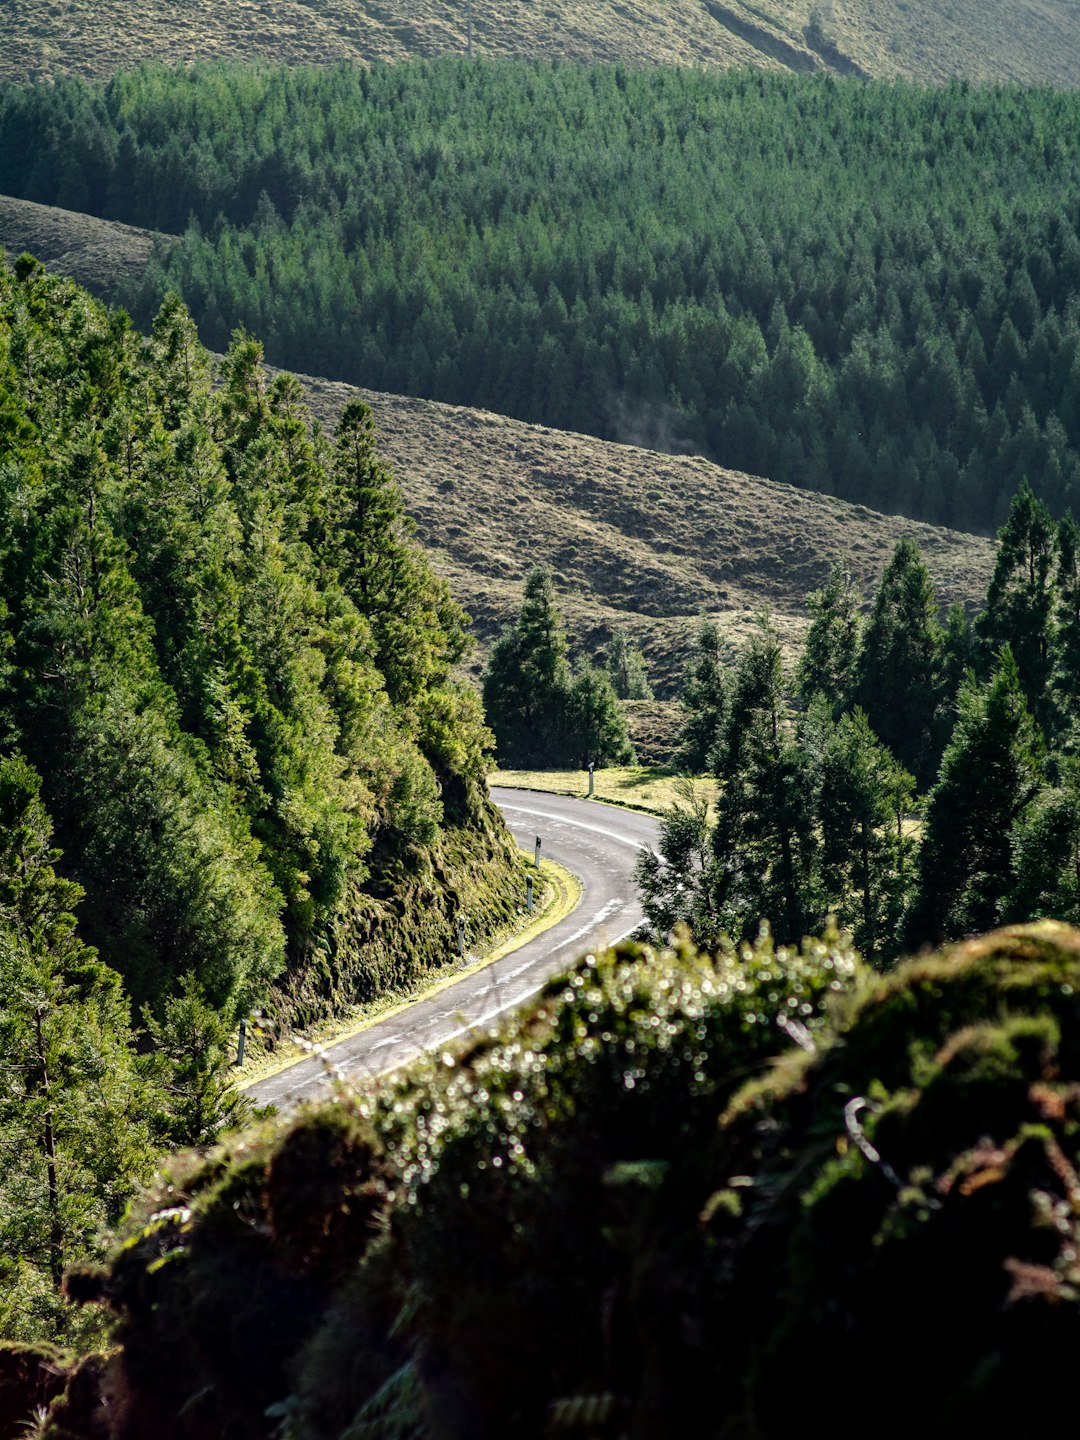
1030	41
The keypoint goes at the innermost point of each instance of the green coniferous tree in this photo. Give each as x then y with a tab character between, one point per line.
704	701
764	841
626	668
864	798
829	662
597	733
673	880
1046	851
899	681
1066	632
192	1063
527	682
959	654
990	773
76	1111
1020	598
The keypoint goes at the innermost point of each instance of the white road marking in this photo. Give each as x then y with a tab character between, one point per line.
578	825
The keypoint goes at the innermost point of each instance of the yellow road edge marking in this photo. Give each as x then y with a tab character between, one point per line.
566	897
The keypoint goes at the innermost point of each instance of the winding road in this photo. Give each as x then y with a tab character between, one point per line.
597	843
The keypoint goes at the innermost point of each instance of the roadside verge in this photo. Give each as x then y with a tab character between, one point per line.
561	896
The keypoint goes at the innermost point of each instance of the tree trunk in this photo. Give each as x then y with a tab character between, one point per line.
56	1234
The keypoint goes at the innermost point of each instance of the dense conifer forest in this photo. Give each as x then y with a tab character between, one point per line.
914	776
867	289
701	1179
236	769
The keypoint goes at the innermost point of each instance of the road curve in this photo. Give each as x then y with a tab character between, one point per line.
597	843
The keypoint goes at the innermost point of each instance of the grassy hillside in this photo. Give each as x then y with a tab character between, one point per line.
99	254
635	538
1031	41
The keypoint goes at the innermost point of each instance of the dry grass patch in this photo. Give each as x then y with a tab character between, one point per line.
636	539
638	787
99	254
1030	41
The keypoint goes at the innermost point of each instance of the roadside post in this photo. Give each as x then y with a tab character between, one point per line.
240	1042
590	779
536	857
461	934
528	894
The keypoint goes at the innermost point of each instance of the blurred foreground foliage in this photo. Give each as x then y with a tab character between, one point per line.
684	1194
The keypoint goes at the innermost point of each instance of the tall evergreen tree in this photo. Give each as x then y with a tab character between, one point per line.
959	655
864	798
1066	633
704	700
597	733
990	773
829	662
527	682
673	880
1046	851
764	842
625	665
899	682
1020	599
76	1112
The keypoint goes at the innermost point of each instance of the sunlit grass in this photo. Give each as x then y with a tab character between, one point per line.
641	787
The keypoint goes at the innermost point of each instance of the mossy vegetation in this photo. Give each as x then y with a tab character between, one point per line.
684	1191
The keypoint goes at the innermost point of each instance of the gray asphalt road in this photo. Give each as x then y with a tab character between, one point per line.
597	843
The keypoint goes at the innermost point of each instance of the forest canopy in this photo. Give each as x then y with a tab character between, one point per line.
865	289
223	653
915	780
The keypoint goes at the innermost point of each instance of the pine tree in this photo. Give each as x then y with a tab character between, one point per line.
1046	851
990	773
192	1064
673	880
76	1111
626	669
527	682
597	733
704	701
864	798
829	661
764	843
1066	632
959	655
899	683
1020	598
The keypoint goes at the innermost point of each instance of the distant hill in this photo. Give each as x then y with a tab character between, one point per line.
1029	41
97	253
636	539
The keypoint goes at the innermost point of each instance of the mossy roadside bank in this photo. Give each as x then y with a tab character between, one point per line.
558	895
